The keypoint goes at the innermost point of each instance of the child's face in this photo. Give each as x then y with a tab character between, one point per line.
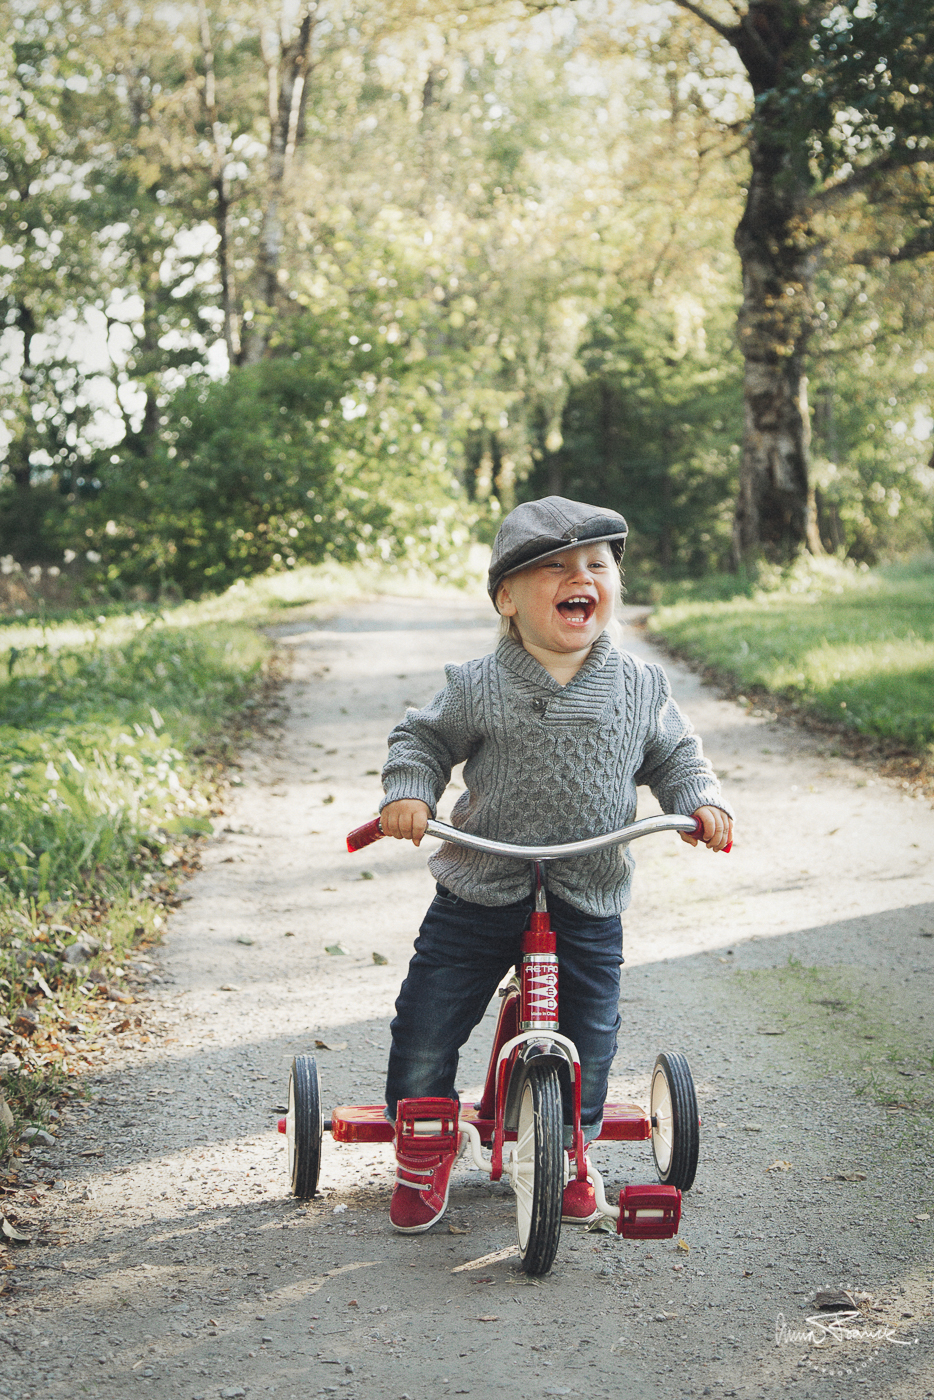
562	604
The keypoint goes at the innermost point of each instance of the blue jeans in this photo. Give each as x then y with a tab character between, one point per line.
462	953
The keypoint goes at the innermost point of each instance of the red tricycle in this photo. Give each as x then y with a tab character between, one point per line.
516	1130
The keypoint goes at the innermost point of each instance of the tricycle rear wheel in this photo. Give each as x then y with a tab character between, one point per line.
539	1169
675	1122
304	1127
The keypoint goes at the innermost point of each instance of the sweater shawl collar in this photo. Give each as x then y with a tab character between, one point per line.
583	698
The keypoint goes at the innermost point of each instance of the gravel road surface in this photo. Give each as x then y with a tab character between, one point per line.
797	975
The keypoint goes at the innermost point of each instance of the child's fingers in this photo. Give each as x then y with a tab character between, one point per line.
718	828
406	820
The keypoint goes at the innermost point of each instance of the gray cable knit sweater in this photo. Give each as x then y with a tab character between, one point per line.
547	763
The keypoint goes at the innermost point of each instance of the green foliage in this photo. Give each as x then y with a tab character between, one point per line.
652	431
97	742
853	645
864	82
870	395
35	525
486	236
325	454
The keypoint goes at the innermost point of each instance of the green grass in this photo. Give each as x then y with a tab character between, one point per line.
97	744
854	646
111	729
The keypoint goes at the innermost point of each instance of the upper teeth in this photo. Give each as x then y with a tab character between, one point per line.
578	600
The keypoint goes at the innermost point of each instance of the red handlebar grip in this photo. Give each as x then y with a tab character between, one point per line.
364	835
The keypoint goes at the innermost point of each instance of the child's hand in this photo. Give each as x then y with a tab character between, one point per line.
406	819
718	829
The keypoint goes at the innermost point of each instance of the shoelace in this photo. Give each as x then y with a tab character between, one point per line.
416	1185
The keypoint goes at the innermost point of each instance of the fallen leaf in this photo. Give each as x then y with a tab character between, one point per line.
849	1176
456	1230
923	1216
11	1233
380	960
488	1317
92	1152
247	942
326	1045
683	1246
229	987
335	950
780	1166
833	1299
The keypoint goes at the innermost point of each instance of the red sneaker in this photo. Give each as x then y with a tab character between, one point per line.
426	1143
579	1205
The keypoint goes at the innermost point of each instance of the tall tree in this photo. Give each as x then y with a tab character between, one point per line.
842	109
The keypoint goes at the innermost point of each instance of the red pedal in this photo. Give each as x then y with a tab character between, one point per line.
426	1126
649	1212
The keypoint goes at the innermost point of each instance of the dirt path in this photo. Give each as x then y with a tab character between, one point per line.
797	975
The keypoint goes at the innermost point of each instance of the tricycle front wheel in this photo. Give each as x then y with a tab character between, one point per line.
539	1169
304	1127
675	1122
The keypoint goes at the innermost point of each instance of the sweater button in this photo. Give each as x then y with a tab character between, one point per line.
540	705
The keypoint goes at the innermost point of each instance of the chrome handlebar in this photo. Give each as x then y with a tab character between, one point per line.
691	826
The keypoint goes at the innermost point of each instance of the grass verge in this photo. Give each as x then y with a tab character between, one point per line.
112	742
854	649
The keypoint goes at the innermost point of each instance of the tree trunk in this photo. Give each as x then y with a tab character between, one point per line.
221	187
774	510
288	62
774	514
20	449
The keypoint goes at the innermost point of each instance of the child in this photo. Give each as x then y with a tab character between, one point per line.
557	728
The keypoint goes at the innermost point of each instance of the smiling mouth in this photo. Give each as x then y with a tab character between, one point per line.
577	609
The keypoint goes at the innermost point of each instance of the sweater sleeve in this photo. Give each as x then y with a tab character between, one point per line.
673	764
427	743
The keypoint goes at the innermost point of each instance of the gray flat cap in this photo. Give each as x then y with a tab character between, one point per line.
538	529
